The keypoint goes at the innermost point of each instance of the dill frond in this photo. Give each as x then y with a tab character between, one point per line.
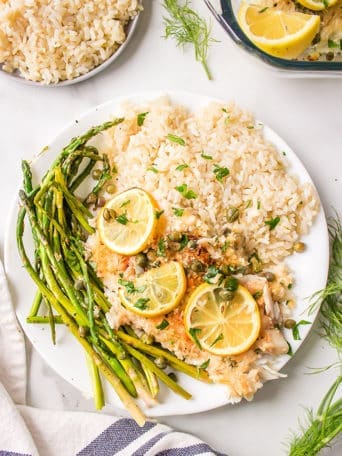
321	428
186	26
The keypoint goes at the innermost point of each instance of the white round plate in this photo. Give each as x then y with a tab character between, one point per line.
67	357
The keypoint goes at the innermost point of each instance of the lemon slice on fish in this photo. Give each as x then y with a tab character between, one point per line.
317	5
156	292
219	326
127	222
276	32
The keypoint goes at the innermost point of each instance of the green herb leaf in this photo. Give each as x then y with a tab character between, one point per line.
205	364
257	295
183	242
193	333
153	169
218	338
141	303
141	118
206	157
333	44
290	351
178	211
162	325
161	248
220	172
187	193
263	10
176	139
272	223
225	246
186	26
122	218
158	214
181	167
250	127
248	204
295	329
128	285
211	274
125	203
258	204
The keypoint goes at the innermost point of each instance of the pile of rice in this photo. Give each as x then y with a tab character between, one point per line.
51	41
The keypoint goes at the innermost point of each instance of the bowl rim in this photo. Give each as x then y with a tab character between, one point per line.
227	20
130	29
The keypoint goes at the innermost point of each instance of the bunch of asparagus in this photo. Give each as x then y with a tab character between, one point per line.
67	284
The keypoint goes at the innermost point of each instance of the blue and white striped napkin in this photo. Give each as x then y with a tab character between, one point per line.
27	431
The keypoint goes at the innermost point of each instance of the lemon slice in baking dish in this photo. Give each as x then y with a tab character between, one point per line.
127	222
156	292
278	33
222	327
317	5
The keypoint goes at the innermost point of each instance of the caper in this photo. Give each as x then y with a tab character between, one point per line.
174	246
160	362
147	339
141	260
175	236
91	198
100	201
231	284
226	231
289	323
232	214
224	295
173	376
269	276
82	331
196	266
330	56
225	269
110	188
109	214
299	247
79	284
151	255
96	174
192	244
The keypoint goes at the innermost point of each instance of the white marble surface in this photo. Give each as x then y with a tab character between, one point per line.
307	113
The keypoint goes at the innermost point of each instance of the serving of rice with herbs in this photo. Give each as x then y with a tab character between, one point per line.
49	41
245	215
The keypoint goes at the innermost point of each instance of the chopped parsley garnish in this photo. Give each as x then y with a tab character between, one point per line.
141	303
186	192
258	204
161	248
211	273
158	214
162	325
125	203
220	172
178	211
153	169
183	242
141	118
225	246
257	294
114	170
272	223
206	157
290	285
263	10
218	338
129	286
205	364
193	333
122	218
284	153
176	139
295	329
333	44
290	351
248	204
250	127
225	110
181	167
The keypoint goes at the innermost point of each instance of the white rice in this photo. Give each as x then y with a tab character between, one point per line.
51	41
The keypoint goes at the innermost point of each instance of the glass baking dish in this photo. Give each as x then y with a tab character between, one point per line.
225	12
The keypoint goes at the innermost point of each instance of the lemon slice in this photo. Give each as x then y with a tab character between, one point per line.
278	33
222	327
156	292
127	222
317	5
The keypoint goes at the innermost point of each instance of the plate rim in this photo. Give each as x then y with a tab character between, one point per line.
141	97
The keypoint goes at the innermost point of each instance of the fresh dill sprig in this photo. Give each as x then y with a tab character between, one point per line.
321	428
331	295
187	26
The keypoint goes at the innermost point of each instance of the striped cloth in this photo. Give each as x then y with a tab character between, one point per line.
27	431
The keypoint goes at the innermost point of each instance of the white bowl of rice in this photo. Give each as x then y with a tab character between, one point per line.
43	42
